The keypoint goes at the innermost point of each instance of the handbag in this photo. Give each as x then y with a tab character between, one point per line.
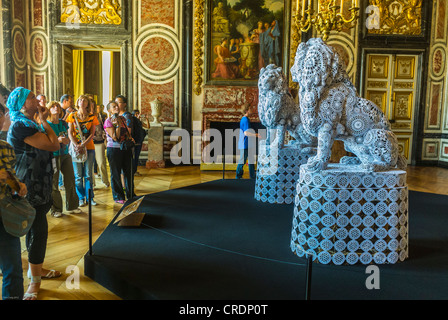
17	215
127	144
78	156
16	212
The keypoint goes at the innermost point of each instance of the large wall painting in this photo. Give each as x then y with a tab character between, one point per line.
244	36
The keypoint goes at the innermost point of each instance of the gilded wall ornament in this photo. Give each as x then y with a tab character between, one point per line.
198	45
402	17
91	11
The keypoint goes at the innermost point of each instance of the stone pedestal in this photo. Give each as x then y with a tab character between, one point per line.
278	171
155	147
343	215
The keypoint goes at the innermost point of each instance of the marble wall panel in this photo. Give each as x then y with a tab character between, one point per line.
441	19
20	79
434	111
444	150
38	50
438	62
19	10
158	11
431	149
229	97
157	39
164	92
19	49
39	84
37	13
157	53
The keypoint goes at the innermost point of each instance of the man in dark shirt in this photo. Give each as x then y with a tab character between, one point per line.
67	105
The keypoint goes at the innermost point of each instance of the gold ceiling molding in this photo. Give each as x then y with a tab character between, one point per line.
403	17
91	12
198	45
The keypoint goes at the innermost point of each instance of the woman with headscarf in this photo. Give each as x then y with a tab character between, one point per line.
34	146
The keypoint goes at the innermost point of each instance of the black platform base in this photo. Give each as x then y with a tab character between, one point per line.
215	241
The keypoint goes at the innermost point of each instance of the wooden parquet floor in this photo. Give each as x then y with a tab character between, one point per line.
68	235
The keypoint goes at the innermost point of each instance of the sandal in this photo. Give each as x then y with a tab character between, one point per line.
50	275
30	296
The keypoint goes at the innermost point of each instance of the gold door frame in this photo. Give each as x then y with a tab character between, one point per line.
391	80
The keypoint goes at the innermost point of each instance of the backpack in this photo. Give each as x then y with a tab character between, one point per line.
138	133
138	130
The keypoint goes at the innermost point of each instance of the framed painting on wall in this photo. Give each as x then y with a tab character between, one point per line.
243	36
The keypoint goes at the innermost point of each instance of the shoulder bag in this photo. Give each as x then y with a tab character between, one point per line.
16	212
78	156
127	144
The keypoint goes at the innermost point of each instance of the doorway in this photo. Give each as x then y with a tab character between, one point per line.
392	82
92	71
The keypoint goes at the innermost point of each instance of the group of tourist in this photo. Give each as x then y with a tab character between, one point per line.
34	148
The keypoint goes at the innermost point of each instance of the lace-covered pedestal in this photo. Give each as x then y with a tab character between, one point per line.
278	171
349	217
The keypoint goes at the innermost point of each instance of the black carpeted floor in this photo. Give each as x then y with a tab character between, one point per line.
215	241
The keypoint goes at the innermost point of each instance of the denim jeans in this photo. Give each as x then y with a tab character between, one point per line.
10	265
244	155
84	176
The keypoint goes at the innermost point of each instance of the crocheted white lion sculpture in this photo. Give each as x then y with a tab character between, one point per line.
331	110
278	110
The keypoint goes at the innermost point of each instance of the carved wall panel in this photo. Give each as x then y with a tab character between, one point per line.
91	11
398	17
379	66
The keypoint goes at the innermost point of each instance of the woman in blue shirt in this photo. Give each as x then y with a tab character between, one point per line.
64	165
